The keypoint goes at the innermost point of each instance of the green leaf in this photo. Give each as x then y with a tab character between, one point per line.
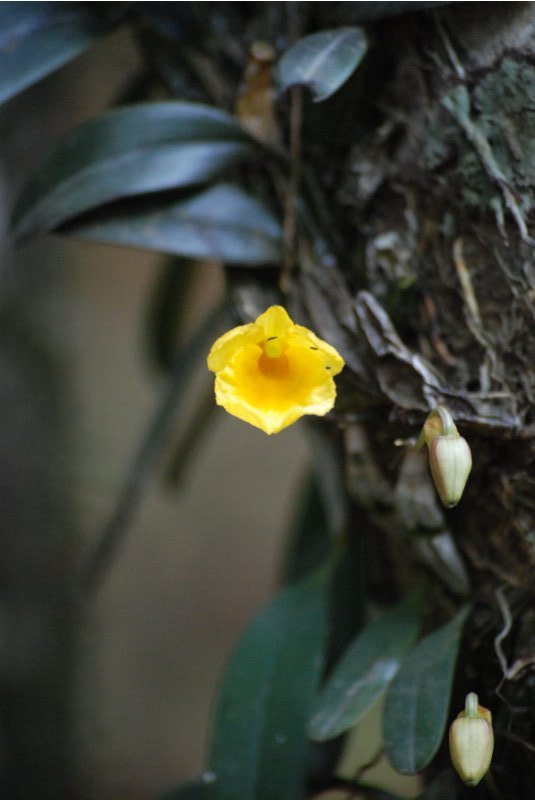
365	670
347	613
167	308
37	38
223	223
322	61
130	151
259	749
418	698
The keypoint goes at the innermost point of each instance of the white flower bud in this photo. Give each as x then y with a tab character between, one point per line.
450	460
471	741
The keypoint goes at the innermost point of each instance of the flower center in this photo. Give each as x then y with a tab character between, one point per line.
274	368
273	346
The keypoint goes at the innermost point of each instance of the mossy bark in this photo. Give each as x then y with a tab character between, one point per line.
432	178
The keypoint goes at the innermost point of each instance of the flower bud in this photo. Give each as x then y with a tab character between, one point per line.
472	741
450	460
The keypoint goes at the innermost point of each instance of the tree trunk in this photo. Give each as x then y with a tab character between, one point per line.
437	305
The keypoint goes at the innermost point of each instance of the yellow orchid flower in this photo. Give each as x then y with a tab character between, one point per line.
271	372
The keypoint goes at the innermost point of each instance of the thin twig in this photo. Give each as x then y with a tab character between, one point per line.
520	664
466	285
189	440
514	738
292	190
130	497
450	50
507	625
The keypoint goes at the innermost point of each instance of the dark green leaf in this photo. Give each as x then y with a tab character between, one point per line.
328	457
418	698
347	613
259	749
168	306
365	670
37	38
130	151
222	223
322	61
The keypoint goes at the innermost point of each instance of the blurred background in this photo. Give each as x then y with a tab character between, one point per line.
130	672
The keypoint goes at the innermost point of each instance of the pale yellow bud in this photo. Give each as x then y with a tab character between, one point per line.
450	460
471	741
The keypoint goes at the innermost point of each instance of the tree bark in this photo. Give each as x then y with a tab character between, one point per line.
433	302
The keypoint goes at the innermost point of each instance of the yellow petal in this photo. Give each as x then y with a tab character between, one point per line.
276	323
273	393
227	345
301	336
